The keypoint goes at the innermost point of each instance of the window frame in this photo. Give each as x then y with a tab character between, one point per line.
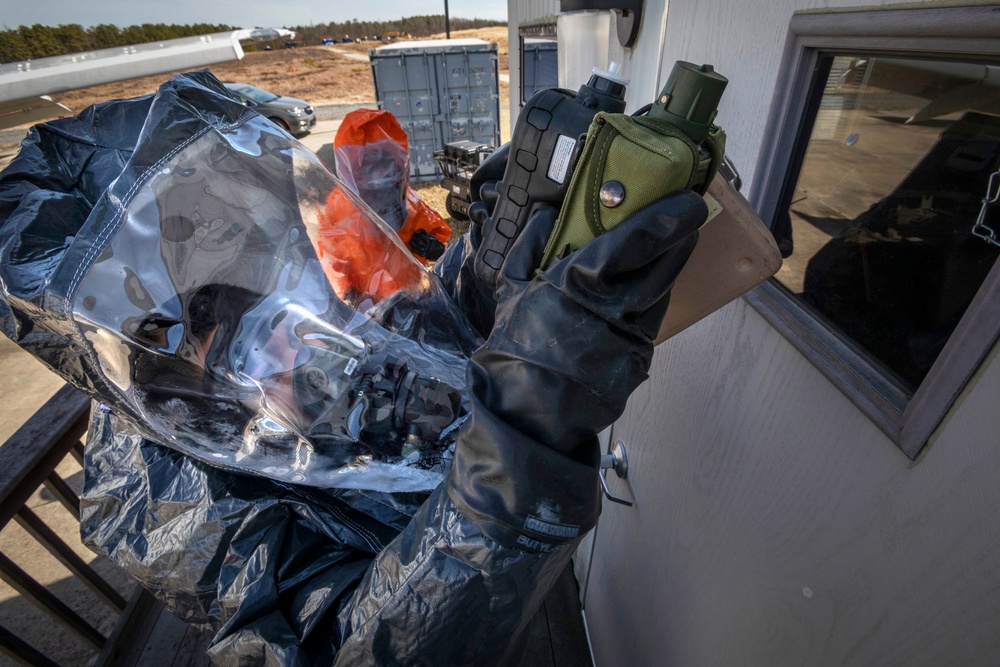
966	32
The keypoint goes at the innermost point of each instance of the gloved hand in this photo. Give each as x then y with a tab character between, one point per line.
483	186
426	245
456	268
568	348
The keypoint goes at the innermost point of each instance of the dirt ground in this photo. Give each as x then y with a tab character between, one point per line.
320	75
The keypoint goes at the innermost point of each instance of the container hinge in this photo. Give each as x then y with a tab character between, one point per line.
981	229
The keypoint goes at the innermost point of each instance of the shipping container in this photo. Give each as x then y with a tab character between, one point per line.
540	68
440	91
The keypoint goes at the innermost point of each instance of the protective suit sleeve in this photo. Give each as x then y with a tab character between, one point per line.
442	593
461	582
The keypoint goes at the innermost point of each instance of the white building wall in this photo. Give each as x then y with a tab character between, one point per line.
590	39
744	41
774	524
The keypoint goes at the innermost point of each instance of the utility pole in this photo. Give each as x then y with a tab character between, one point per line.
447	23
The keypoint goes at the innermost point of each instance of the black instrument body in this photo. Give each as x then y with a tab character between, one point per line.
547	138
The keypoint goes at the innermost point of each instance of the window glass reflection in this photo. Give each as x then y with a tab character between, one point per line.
878	233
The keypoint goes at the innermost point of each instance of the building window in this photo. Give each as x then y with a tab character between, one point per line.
874	193
878	235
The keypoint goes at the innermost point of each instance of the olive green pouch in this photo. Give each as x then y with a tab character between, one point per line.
634	160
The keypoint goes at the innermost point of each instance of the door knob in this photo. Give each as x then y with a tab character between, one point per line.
616	459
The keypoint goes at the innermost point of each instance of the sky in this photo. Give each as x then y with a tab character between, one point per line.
239	13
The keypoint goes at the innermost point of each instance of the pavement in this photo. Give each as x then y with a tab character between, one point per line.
350	55
322	135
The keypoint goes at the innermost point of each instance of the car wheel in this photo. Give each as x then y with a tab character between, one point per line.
280	122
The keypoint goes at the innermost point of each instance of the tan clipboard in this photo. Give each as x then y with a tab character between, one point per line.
734	254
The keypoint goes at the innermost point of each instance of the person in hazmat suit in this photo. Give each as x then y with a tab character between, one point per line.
372	160
320	477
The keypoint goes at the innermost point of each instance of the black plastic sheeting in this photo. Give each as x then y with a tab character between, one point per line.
292	575
263	541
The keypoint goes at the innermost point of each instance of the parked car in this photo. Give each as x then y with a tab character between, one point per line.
294	116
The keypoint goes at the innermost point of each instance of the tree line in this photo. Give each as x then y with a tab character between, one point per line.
415	26
41	41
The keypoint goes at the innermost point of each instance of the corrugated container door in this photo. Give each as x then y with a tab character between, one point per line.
540	68
472	94
406	85
440	91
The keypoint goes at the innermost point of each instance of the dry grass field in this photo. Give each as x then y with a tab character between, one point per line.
320	75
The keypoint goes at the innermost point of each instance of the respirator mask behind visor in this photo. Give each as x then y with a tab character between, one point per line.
381	181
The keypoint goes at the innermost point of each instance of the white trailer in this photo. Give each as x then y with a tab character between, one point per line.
815	468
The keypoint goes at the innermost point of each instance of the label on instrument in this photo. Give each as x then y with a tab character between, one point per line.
559	164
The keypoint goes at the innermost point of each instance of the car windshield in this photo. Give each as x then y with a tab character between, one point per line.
254	94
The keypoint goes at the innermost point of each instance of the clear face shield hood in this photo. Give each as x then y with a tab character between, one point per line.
243	306
379	173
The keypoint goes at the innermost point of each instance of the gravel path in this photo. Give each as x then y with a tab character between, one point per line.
350	55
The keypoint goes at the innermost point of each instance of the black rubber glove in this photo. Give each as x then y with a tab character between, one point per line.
426	245
569	347
455	269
